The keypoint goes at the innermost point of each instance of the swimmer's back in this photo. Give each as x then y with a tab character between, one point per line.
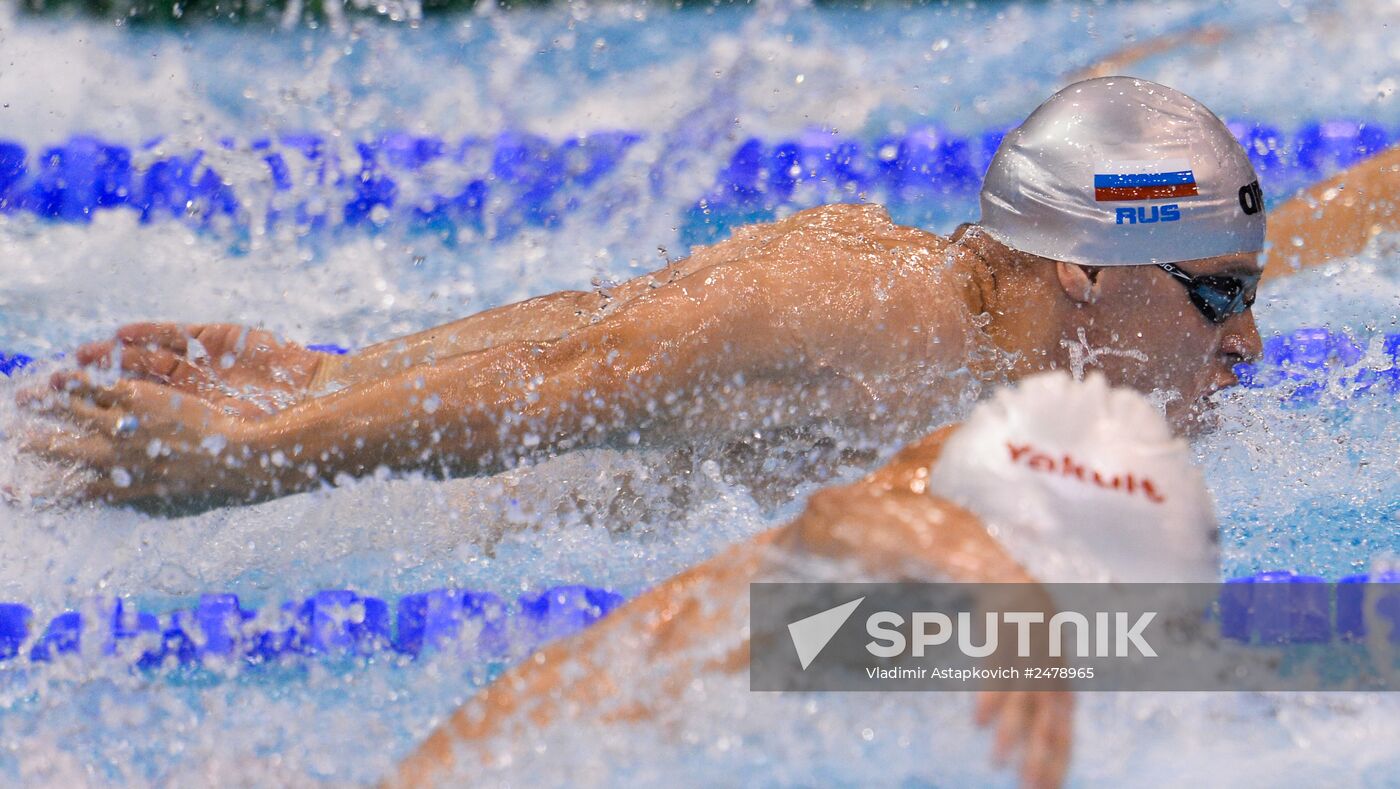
839	250
840	238
847	284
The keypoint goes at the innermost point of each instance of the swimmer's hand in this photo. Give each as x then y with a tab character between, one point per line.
147	444
1036	722
245	371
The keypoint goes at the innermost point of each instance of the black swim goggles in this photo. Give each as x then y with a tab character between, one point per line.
1217	296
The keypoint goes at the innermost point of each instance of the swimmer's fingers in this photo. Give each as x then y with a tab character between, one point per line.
33	397
81	412
1048	746
120	393
79	404
40	398
149	363
78	385
152	352
88	450
173	337
82	455
989	704
164	367
1013	725
95	354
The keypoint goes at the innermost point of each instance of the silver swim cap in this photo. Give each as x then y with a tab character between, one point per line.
1119	171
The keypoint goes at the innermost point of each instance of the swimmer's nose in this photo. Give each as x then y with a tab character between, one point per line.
1241	342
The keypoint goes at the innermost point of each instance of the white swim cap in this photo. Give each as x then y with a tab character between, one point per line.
1119	171
1082	482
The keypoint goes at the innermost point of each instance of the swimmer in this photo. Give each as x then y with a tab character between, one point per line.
1121	231
940	510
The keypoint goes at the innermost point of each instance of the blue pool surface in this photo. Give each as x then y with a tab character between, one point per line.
605	140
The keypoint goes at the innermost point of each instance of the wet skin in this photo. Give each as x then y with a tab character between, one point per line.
835	312
1141	330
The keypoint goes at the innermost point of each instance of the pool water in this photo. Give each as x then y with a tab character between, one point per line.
1311	487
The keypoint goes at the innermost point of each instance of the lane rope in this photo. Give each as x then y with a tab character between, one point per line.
495	186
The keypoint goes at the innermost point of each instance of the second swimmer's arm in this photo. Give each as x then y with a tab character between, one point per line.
1336	218
894	529
879	523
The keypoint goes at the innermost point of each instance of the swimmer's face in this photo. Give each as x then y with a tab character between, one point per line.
1158	340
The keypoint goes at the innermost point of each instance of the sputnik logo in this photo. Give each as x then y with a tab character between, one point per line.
811	635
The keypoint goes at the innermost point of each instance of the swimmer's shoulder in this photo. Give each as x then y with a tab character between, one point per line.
841	238
861	223
842	223
843	242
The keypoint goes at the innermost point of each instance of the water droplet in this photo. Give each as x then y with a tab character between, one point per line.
195	351
121	477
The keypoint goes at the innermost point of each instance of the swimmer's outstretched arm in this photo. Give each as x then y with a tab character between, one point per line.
539	319
884	524
1336	218
225	363
232	365
1120	62
472	413
811	297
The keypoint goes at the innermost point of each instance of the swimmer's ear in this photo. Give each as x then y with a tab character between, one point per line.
1080	283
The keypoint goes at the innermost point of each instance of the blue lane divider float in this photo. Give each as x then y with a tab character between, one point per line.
1310	362
329	623
496	186
12	362
1281	607
306	180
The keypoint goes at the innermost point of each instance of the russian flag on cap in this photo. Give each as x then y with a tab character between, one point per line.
1156	180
